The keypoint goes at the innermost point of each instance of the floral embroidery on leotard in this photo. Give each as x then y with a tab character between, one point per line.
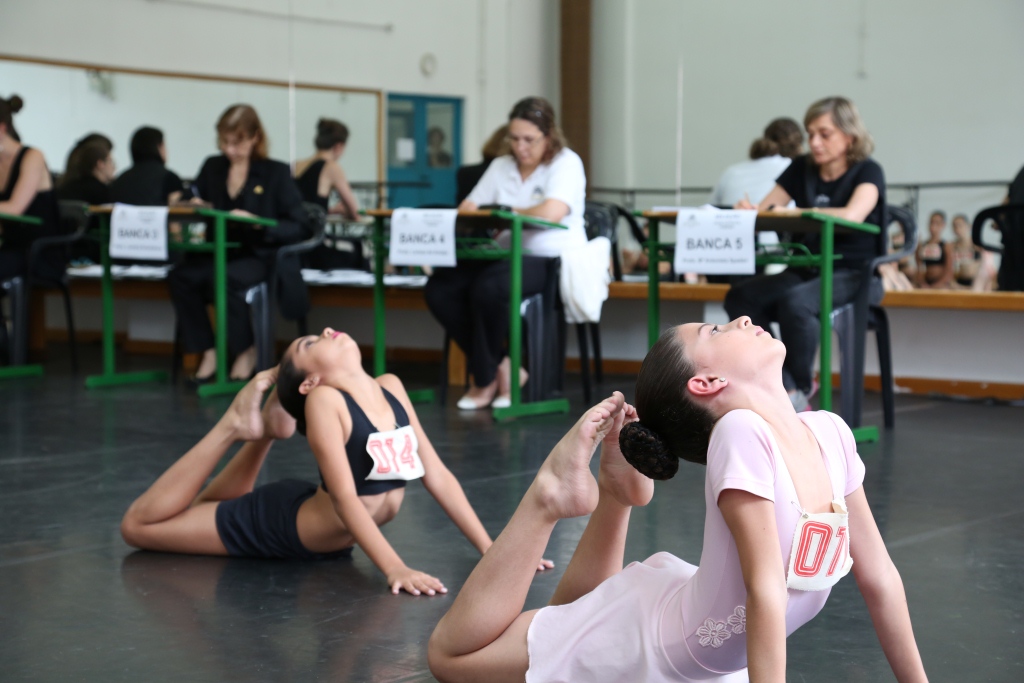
738	621
714	633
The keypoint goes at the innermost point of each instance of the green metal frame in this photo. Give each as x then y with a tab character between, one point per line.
825	260
29	369
219	248
474	249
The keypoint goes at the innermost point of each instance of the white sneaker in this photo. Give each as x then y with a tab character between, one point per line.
501	402
467	403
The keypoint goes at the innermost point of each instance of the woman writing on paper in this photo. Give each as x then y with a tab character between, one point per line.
838	177
541	178
245	182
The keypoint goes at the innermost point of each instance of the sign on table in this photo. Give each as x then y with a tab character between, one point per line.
423	237
715	241
138	232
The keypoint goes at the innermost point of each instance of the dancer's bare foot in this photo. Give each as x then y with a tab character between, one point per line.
243	416
277	423
616	476
564	486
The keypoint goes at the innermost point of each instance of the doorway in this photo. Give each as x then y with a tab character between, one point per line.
424	150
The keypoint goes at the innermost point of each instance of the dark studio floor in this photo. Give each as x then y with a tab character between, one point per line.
77	604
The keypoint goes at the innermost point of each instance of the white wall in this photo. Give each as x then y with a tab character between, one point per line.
489	52
939	85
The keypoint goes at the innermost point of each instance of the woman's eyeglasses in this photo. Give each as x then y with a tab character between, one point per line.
524	140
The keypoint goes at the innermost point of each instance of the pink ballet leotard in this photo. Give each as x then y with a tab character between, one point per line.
667	620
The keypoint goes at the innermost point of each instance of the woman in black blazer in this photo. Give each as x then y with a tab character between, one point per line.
245	182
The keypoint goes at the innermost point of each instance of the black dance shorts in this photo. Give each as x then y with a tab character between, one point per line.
262	523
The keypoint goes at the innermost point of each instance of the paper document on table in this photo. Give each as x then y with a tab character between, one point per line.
423	237
715	241
138	232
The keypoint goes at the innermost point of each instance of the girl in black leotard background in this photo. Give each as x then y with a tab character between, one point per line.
935	256
350	415
321	173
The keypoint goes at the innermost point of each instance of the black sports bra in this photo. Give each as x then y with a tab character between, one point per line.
358	459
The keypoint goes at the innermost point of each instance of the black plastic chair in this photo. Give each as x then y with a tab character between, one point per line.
1010	220
851	323
41	275
543	341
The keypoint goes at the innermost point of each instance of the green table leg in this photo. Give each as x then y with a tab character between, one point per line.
379	310
827	265
653	292
221	386
515	339
14	371
865	434
110	377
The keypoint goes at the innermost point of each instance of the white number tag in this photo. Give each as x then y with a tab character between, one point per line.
395	454
821	550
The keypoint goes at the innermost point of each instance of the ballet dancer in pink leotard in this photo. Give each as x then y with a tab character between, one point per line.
786	519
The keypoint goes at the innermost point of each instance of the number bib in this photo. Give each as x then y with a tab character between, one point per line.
821	549
395	455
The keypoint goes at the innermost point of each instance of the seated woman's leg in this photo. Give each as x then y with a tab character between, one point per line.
759	296
447	295
798	316
243	273
172	515
189	283
483	635
489	312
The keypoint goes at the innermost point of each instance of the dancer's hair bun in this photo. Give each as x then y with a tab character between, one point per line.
15	103
646	451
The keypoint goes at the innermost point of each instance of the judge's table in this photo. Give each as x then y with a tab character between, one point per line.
792	221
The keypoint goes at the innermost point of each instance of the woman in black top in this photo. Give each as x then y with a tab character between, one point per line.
245	182
26	189
838	177
148	182
89	171
321	173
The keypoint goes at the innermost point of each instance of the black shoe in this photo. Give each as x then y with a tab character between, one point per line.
196	380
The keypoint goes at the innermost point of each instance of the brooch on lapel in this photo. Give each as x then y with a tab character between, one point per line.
258	189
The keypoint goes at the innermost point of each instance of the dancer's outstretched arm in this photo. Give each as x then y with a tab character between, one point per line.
483	635
327	440
438	479
599	554
882	588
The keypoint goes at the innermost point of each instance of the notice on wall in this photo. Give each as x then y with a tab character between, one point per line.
715	241
423	237
138	232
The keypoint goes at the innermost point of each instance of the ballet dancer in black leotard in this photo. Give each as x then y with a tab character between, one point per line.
368	443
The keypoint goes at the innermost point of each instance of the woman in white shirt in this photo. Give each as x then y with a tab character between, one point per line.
540	178
769	156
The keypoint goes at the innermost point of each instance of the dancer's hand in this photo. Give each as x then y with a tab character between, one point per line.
414	582
545	565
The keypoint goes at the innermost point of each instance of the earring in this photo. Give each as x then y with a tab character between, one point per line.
721	379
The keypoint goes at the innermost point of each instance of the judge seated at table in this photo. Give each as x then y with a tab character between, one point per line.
26	189
838	177
541	178
148	182
245	182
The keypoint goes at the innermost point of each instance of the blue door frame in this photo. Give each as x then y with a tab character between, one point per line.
424	179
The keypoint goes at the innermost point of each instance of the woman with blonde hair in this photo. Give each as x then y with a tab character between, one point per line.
245	182
838	177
